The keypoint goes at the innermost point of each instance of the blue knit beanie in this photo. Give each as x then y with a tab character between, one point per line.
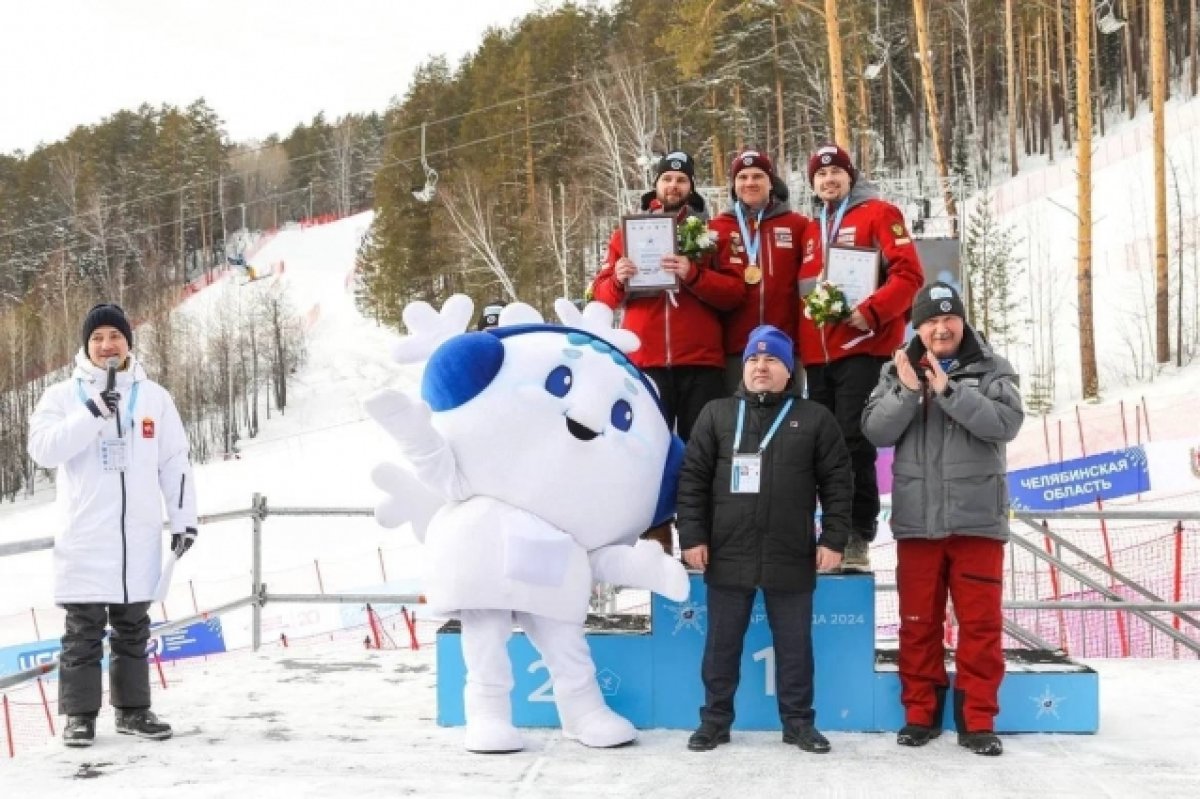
770	340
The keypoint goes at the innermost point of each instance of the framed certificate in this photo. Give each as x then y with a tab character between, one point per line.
648	239
855	270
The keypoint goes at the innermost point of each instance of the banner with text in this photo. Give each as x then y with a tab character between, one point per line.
1108	475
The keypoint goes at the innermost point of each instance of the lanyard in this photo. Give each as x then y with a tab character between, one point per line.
752	243
826	233
737	436
128	408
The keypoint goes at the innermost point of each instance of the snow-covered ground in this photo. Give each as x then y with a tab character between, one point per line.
331	720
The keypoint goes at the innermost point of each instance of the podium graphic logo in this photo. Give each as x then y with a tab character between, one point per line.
1047	703
688	616
610	682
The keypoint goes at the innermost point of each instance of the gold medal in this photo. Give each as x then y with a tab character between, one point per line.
752	275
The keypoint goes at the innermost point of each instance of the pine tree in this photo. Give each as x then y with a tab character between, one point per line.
992	270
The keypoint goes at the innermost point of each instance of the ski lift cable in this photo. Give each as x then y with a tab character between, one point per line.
208	182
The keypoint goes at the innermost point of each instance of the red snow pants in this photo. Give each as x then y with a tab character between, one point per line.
969	569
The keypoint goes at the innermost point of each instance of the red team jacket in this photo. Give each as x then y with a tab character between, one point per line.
868	222
773	300
681	331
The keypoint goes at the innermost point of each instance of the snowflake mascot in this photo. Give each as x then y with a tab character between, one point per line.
539	454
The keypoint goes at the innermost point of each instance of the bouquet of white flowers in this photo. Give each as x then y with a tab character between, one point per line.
695	239
826	303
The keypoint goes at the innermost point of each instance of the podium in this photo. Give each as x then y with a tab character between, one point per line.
649	671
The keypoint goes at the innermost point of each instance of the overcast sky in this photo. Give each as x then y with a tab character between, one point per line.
263	65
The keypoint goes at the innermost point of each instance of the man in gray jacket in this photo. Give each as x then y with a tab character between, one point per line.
949	405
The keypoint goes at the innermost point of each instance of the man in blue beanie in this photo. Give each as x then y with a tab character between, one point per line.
755	466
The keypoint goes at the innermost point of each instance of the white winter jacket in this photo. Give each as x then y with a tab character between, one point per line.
109	546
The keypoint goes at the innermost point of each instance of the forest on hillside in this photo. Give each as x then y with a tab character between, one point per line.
541	136
502	176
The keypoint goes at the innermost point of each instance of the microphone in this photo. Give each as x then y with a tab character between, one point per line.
112	364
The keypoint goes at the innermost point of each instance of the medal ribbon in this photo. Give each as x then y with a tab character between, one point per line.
828	235
752	243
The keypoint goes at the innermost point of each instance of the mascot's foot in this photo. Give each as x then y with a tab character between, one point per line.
601	729
493	736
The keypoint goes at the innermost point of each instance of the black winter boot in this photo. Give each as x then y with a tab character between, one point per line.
142	723
807	737
80	731
981	743
917	734
708	737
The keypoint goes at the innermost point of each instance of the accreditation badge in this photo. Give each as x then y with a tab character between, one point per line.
752	275
114	455
745	475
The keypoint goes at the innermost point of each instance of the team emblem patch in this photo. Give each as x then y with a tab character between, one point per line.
897	229
147	428
748	160
676	164
827	159
945	306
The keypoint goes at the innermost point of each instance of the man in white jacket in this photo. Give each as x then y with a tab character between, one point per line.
120	449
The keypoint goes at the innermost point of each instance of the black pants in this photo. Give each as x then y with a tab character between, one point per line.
790	615
685	391
79	681
844	387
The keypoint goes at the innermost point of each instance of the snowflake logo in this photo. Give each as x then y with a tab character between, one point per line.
688	615
610	682
1047	703
1136	456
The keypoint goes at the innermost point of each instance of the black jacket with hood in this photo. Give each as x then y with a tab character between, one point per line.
767	539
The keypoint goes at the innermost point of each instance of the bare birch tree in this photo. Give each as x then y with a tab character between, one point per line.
473	222
558	230
622	119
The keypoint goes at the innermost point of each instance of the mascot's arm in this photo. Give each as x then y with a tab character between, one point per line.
407	420
406	501
643	565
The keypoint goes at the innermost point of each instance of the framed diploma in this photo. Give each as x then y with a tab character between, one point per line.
648	238
855	270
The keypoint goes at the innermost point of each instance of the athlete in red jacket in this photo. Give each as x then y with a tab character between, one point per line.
843	359
760	240
680	330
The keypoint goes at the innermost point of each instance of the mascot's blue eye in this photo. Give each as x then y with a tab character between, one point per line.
558	382
622	415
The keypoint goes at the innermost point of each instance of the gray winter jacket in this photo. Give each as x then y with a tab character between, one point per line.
949	470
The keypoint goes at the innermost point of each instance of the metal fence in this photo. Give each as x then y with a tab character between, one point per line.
1051	576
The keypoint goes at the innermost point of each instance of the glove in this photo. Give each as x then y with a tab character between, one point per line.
182	542
110	399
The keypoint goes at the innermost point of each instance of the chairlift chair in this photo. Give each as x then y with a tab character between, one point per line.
881	47
1107	20
427	192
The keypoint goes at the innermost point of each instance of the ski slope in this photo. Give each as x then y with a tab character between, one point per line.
319	453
